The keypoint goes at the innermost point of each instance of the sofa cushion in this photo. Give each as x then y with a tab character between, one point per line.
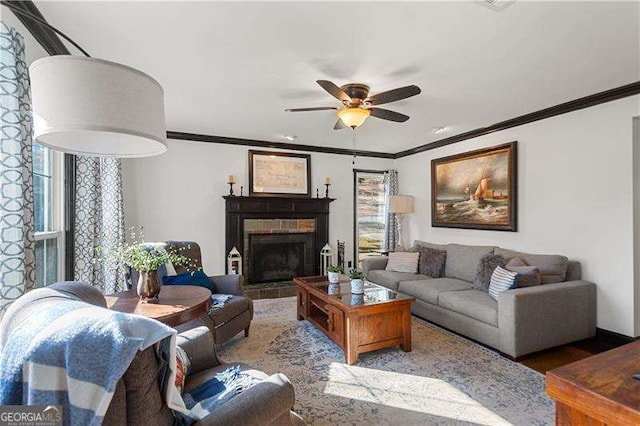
462	260
428	290
431	261
553	268
403	261
501	280
390	279
418	243
528	276
475	304
486	266
231	309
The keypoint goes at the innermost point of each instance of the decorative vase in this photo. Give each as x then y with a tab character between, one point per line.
148	287
357	286
334	277
333	289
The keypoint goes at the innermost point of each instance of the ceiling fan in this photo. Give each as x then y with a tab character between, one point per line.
358	105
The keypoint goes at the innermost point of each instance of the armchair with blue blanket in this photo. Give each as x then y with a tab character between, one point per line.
131	391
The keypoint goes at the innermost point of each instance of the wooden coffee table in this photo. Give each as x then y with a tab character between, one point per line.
178	304
380	318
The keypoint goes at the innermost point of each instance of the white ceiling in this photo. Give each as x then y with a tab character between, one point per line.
230	69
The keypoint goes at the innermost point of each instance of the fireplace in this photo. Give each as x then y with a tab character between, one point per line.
279	237
281	256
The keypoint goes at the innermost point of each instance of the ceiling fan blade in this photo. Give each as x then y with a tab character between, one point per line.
310	109
393	95
339	125
334	90
386	114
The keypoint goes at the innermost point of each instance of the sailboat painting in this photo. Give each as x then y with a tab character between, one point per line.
476	190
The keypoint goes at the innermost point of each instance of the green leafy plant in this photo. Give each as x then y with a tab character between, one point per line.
355	274
334	268
144	256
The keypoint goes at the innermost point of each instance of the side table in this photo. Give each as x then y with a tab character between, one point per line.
178	304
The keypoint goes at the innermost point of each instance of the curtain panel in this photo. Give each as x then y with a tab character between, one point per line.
99	222
17	242
391	228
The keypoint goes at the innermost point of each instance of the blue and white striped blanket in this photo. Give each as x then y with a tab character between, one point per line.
73	354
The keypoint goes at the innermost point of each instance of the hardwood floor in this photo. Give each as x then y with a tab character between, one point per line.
556	357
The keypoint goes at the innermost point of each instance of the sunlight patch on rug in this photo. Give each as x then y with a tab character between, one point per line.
408	392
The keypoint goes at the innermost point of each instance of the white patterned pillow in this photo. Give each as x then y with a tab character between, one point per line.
403	261
501	280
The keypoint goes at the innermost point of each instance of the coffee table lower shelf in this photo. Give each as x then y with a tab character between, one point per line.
355	328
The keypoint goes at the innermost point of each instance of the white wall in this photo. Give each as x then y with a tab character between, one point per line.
178	195
575	183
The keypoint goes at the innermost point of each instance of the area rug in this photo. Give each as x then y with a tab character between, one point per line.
445	379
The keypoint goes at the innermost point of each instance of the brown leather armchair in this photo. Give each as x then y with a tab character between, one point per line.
227	320
137	398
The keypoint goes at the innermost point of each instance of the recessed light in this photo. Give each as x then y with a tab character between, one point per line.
437	130
290	137
497	5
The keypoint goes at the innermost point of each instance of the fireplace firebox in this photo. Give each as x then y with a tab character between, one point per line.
281	256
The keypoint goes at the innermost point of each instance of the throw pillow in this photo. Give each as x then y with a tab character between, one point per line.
432	261
501	280
486	266
197	278
183	365
404	261
528	276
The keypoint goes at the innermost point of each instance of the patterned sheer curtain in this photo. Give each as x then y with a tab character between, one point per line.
17	243
391	227
99	222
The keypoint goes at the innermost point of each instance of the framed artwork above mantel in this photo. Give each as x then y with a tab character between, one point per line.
476	189
280	174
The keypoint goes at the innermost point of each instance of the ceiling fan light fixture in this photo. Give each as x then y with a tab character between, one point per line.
353	117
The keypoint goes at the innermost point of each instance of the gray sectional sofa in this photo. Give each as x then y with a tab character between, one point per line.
560	310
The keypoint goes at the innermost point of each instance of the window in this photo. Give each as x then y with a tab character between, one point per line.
370	212
48	191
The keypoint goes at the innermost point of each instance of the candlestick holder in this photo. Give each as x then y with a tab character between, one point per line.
231	188
326	192
241	190
317	193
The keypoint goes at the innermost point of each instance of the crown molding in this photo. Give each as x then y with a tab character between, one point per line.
196	137
563	108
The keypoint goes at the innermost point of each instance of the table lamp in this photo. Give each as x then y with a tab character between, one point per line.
400	205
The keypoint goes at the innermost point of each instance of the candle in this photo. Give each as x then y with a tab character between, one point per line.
231	179
327	180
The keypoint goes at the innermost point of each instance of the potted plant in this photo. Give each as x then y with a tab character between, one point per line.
357	281
146	258
333	273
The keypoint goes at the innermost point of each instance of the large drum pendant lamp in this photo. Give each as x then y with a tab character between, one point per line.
94	107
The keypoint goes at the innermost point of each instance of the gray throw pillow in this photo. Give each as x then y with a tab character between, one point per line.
528	276
432	261
486	266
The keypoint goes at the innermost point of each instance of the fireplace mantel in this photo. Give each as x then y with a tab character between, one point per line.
240	208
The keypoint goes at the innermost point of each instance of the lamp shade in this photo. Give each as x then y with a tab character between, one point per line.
353	117
95	107
400	204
